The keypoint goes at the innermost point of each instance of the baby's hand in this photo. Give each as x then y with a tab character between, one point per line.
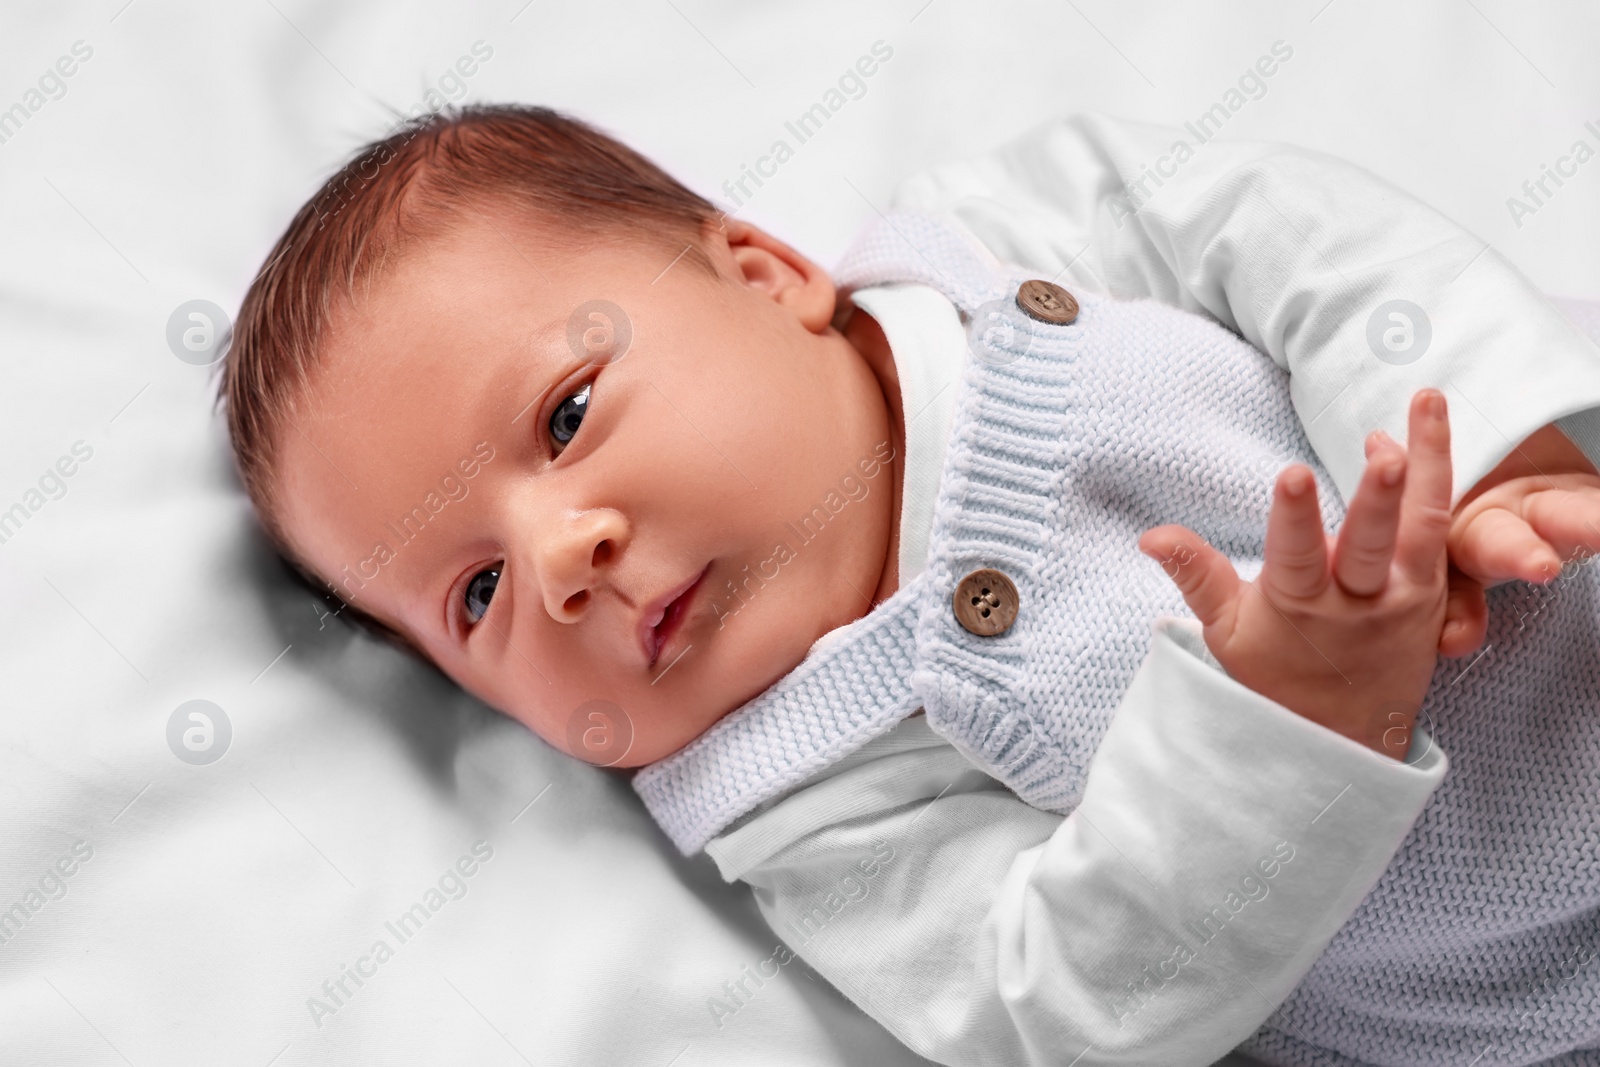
1539	508
1351	646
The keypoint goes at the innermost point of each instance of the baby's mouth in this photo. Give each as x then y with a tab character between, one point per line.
662	621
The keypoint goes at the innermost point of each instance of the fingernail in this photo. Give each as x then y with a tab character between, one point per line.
1295	483
1390	475
1436	404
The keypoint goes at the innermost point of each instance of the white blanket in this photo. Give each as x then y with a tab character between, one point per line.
163	911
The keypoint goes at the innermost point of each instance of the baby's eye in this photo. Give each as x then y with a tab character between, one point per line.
480	590
568	416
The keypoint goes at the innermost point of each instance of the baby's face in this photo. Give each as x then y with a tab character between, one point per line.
527	502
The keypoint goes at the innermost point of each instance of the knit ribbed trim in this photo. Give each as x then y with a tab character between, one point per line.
1000	495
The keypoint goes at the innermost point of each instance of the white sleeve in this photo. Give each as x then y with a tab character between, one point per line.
1301	254
1220	843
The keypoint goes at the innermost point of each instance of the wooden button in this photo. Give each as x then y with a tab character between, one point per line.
985	602
1047	302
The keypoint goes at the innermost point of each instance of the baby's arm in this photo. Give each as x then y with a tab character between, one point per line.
1300	253
1221	841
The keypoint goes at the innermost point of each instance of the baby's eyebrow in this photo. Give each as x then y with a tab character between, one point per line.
548	340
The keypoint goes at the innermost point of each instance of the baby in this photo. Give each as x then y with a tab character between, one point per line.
646	479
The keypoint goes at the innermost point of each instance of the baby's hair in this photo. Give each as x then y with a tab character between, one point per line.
531	164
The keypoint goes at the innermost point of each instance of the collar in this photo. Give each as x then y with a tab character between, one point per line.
929	348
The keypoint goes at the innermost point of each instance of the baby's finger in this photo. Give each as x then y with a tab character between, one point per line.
1203	575
1567	519
1371	526
1497	546
1425	508
1297	546
1466	617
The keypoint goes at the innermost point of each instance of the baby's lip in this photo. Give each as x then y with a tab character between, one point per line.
656	625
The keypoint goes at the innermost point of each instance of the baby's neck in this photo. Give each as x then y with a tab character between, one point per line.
864	333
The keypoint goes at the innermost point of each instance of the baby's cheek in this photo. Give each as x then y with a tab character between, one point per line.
599	732
500	687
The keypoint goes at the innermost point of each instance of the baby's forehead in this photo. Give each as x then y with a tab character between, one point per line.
450	314
507	274
517	245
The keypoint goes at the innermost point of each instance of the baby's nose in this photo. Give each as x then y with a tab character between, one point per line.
573	557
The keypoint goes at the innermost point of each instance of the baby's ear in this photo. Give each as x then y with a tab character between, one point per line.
783	274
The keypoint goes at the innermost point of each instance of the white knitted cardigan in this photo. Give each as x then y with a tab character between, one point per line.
1067	443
